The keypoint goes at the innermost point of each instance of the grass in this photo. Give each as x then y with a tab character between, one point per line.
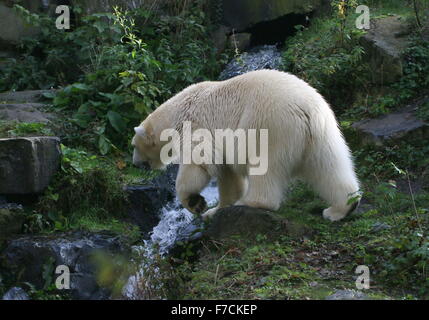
313	268
388	233
13	129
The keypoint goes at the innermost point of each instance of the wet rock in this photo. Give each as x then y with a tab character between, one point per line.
263	57
248	222
362	208
242	14
29	257
392	126
348	295
146	200
29	96
25	112
28	164
145	204
384	44
16	293
380	226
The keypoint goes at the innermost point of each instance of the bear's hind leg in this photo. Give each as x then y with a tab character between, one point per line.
335	181
264	192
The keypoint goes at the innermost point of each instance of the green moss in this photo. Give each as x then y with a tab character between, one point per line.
12	129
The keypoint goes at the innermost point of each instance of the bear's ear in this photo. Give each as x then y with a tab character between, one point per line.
146	135
140	131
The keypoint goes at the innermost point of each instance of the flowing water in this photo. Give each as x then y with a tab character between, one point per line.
176	224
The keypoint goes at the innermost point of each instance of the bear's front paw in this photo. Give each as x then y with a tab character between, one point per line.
197	204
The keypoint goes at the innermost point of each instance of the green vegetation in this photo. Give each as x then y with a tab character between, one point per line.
112	70
125	64
12	129
121	66
389	233
86	194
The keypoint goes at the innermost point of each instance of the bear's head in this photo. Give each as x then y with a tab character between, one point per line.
147	147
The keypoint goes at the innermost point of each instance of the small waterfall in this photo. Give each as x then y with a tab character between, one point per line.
176	224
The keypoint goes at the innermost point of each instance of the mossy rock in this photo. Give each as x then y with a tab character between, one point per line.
249	222
11	221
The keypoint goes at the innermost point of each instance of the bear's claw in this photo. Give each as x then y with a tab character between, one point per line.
197	204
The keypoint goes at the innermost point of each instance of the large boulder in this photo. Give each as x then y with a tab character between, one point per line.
26	106
30	257
29	96
148	198
400	124
384	44
25	112
28	164
242	14
13	27
248	222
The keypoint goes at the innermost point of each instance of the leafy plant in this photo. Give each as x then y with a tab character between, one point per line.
22	129
332	65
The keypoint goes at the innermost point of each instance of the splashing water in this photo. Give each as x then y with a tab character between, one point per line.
176	224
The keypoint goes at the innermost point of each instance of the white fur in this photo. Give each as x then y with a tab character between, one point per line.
304	140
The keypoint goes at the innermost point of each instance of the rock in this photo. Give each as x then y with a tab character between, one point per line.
263	57
29	257
220	38
28	164
25	112
147	200
248	222
11	219
362	208
240	41
145	203
348	295
16	293
242	14
384	44
392	126
380	226
29	96
13	27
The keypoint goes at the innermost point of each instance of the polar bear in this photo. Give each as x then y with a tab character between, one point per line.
304	142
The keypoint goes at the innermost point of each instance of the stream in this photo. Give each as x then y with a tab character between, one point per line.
176	224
